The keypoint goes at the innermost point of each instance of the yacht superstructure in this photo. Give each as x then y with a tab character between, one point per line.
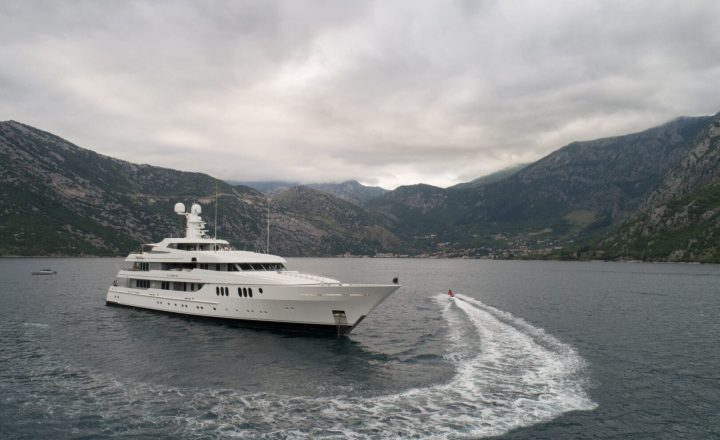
202	276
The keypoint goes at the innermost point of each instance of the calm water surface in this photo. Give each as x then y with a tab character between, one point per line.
527	350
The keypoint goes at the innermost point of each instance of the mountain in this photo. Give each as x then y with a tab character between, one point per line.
60	199
607	178
580	189
680	220
684	229
267	187
497	176
699	167
334	224
351	191
647	195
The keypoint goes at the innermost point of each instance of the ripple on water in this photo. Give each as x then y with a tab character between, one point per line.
505	374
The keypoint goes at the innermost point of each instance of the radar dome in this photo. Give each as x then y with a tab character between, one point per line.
179	208
196	209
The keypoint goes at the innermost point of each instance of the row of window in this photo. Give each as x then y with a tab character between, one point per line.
245	267
166	285
198	246
244	292
229	267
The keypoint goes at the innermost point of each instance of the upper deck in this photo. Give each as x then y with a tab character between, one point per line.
198	248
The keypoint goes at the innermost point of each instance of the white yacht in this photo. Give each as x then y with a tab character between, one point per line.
202	276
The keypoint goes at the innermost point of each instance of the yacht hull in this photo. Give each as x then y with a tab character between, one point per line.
317	308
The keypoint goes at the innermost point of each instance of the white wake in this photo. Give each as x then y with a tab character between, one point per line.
518	376
507	374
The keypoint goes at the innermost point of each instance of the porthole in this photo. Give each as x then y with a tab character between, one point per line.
260	289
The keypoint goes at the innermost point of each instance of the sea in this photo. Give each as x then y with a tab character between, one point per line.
526	350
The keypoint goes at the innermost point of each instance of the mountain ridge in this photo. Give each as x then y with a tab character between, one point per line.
61	199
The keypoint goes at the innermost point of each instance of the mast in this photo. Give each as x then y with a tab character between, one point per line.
216	199
267	247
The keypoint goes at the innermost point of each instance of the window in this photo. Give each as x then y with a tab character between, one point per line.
226	291
143	284
260	289
239	291
217	291
250	292
165	285
245	266
245	292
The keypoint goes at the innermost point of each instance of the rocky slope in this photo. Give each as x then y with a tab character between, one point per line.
685	229
647	192
59	199
581	189
493	177
680	220
351	191
333	225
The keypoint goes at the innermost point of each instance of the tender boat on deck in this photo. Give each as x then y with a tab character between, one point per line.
202	276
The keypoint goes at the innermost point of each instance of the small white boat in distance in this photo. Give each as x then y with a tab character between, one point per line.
44	272
202	276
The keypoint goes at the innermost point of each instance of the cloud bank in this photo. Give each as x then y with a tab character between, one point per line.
387	93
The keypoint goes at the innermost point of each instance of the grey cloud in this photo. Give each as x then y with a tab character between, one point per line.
383	92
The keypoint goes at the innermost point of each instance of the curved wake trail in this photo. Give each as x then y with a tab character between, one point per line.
508	374
518	376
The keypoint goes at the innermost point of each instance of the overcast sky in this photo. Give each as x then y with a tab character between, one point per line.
388	92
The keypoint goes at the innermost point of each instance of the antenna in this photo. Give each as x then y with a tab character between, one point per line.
216	199
267	248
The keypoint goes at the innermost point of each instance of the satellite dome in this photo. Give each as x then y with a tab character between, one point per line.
196	209
179	208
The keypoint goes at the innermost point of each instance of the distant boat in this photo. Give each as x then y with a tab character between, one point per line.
44	272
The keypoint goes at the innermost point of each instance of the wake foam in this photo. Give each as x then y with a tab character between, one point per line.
518	377
507	374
